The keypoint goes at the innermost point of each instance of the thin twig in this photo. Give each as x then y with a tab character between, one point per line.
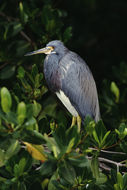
104	166
111	161
23	34
109	152
118	164
113	145
3	65
83	139
5	16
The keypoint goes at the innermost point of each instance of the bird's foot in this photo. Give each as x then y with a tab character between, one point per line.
74	119
78	120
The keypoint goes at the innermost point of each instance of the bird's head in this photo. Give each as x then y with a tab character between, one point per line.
52	47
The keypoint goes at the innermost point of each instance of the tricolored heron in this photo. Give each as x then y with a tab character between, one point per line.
69	77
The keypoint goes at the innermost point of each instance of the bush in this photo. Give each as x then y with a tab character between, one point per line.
38	148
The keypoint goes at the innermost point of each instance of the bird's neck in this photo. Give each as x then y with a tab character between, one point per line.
51	67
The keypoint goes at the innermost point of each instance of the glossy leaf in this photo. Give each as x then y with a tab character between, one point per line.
120	180
44	183
7	72
95	167
48	168
21	112
36	108
13	149
6	101
67	172
2	157
79	161
51	185
115	91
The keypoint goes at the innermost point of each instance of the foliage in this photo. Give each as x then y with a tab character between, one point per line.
38	148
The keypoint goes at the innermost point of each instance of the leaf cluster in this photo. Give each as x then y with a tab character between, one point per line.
38	148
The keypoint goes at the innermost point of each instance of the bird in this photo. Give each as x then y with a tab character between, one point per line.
69	77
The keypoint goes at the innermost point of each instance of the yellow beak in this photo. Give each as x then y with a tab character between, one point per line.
46	50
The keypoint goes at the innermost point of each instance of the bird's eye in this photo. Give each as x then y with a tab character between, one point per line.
51	48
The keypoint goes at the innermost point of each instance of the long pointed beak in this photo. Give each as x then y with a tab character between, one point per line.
39	51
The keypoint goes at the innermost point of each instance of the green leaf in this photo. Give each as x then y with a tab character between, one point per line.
32	136
120	180
52	145
80	161
2	158
51	185
102	179
96	137
90	127
50	25
70	145
7	72
116	187
123	145
21	72
26	85
22	186
19	168
104	138
67	34
11	117
95	167
36	108
16	170
100	133
6	101
31	121
13	149
72	136
122	132
115	91
37	93
125	180
37	81
21	112
17	27
44	183
23	15
22	164
29	110
21	7
47	168
34	70
67	172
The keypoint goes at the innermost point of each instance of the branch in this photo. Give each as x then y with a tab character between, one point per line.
23	34
104	166
111	161
109	152
26	37
2	66
6	17
118	164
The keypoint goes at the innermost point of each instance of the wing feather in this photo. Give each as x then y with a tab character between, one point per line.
79	86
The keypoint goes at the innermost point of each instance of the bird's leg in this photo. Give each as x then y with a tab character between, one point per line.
79	122
73	121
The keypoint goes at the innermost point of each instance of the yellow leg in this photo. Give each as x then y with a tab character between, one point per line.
79	123
73	121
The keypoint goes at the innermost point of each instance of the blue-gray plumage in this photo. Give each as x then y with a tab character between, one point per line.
70	78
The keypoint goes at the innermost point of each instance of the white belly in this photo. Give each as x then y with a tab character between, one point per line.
65	100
